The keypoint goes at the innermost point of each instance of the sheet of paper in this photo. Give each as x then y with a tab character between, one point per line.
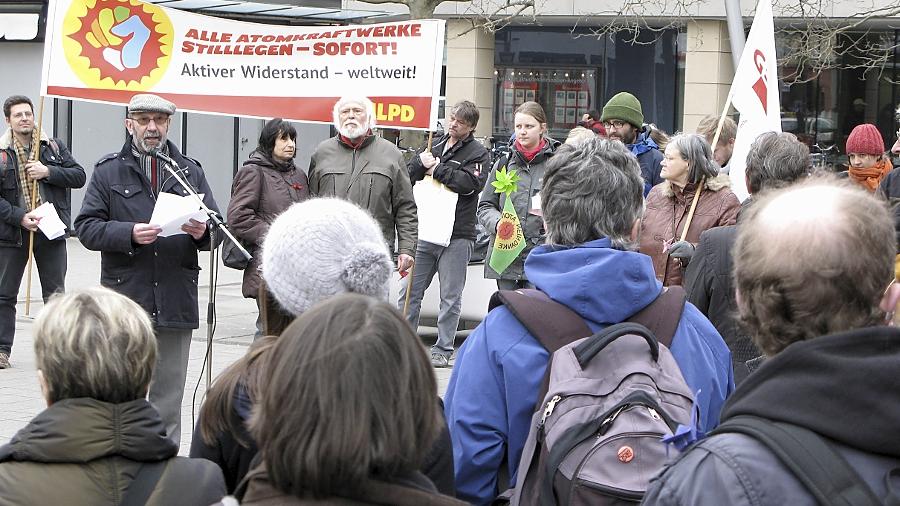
172	211
536	205
436	208
50	224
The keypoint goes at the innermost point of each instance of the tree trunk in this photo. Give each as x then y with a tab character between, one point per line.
422	9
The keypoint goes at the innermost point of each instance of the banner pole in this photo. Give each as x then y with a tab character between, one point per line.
35	155
409	285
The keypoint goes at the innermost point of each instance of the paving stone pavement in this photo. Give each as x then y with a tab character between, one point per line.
20	394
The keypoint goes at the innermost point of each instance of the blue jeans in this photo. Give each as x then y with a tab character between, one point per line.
450	264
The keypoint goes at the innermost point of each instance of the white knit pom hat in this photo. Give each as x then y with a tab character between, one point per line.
322	247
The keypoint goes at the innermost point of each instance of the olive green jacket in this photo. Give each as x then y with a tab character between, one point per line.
87	452
374	177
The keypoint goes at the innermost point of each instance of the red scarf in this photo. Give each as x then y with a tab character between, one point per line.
530	154
355	144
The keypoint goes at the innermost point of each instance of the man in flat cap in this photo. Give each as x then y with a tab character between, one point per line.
30	163
159	273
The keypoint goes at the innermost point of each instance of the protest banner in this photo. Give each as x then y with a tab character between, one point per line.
108	50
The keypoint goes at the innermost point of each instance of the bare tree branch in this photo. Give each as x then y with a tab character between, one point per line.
493	15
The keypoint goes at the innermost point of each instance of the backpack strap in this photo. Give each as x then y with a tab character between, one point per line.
551	323
663	314
144	483
814	462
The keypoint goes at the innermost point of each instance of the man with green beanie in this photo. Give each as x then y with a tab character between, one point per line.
623	119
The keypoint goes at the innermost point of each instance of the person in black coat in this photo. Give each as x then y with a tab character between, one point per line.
30	160
159	273
774	160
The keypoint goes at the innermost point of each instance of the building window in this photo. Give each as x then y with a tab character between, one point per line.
822	107
564	93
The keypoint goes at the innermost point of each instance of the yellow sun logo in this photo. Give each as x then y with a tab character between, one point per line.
117	44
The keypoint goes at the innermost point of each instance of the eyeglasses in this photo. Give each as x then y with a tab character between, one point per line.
145	120
617	124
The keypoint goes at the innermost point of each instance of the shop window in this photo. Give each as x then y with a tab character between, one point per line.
564	93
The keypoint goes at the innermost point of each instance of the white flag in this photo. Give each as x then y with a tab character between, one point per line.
754	93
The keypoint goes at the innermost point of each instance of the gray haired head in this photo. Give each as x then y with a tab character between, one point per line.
776	160
592	190
696	152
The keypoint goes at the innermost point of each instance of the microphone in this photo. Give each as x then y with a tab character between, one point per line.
162	156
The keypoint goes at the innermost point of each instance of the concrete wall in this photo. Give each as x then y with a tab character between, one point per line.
470	72
708	71
22	76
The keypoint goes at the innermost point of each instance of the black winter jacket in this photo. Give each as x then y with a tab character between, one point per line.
710	286
87	452
463	168
843	387
890	190
65	173
162	276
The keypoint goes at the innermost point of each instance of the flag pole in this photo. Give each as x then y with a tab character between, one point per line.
412	269
409	285
690	215
35	154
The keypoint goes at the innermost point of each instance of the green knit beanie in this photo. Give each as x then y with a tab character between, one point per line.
623	106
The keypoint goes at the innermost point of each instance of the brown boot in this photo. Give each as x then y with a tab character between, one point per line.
4	360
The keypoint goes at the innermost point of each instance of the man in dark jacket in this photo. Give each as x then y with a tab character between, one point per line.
623	119
159	273
358	166
461	163
53	172
815	283
775	160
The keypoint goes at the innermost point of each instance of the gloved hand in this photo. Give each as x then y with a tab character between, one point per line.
682	250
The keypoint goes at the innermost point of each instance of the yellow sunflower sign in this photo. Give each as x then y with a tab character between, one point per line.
509	241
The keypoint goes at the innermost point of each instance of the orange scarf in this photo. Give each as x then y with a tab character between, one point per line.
870	178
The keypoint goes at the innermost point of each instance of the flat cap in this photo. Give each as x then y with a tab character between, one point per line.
145	102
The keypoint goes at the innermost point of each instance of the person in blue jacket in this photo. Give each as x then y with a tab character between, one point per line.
591	201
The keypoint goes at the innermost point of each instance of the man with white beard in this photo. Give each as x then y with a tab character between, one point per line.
369	171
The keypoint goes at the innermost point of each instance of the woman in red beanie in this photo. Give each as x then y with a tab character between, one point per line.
865	149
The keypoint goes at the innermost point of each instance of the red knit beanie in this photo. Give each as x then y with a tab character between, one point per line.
865	139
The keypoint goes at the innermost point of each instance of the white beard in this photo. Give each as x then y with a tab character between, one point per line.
354	132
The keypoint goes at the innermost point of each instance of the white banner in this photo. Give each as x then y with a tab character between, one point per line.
754	93
108	50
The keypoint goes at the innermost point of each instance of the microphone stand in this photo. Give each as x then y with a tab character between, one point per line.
218	225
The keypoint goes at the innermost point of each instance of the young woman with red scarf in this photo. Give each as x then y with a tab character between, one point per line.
529	156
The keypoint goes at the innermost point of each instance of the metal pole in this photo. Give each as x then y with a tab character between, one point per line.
735	29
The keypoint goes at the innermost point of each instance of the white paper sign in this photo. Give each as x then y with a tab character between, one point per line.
172	211
50	224
436	207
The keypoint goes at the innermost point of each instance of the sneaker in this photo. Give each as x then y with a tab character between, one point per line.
4	360
438	360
